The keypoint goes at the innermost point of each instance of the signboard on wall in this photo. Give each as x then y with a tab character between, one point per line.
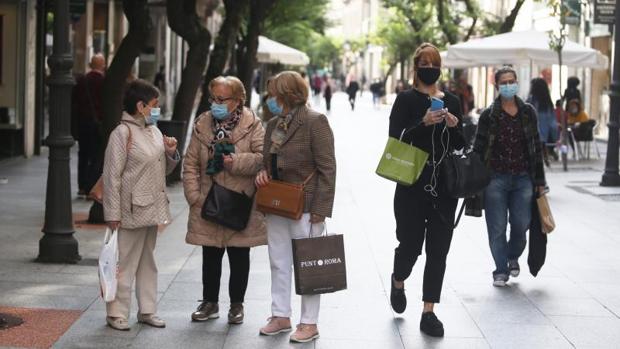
604	11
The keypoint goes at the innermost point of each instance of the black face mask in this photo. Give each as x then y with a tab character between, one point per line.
428	75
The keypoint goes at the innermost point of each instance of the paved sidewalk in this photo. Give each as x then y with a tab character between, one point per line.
574	302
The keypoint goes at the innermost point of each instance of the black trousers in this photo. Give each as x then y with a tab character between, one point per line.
239	260
420	218
89	156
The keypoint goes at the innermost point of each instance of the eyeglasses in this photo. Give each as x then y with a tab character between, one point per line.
219	100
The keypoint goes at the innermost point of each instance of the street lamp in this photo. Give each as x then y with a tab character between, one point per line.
58	245
611	178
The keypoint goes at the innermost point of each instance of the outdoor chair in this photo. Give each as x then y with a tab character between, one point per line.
583	133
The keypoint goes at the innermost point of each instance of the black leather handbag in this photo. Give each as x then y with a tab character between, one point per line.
227	207
464	175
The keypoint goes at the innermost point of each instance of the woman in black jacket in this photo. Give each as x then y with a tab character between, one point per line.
422	211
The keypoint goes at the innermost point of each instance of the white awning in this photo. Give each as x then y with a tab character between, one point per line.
521	48
270	51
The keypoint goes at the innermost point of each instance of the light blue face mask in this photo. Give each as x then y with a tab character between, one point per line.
508	91
219	111
273	106
154	116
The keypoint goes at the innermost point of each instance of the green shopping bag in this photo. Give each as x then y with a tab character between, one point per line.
401	162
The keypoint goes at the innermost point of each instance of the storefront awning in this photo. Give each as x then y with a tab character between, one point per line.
525	47
270	51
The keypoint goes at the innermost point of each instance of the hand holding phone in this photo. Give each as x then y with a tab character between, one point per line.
436	104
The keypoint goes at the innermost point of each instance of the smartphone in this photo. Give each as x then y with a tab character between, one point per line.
436	104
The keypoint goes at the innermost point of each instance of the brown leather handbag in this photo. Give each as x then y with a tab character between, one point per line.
96	192
282	198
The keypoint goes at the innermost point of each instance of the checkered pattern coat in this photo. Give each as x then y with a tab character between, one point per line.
308	146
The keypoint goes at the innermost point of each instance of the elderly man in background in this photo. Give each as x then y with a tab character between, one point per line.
87	115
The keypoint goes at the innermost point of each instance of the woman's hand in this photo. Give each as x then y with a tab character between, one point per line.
315	218
170	144
228	162
451	120
113	225
434	117
262	178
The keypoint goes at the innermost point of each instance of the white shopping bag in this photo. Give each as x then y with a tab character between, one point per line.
108	264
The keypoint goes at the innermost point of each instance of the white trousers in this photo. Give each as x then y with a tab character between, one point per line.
280	233
135	261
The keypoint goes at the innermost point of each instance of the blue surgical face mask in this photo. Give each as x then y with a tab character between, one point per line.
154	116
508	91
273	106
219	111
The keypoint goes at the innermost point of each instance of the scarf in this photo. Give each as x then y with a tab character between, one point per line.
221	143
279	133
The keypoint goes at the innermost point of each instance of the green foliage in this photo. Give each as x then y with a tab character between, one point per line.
398	37
323	51
301	24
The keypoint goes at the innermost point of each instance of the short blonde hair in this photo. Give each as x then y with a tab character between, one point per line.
236	86
289	87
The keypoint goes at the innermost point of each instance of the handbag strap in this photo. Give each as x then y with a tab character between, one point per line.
309	178
458	218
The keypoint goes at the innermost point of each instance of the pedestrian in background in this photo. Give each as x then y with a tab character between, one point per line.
87	116
422	211
572	92
327	93
352	92
228	125
540	98
375	89
299	146
137	159
508	142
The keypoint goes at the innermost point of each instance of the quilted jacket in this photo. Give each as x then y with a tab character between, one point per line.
247	137
134	179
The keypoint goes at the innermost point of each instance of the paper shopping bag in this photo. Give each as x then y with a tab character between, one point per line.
319	265
401	162
547	223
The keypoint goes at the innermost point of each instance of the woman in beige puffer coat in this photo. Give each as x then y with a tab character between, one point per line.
227	125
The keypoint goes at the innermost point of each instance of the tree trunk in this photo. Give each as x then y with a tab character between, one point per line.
226	39
185	22
441	18
246	58
402	70
509	22
138	16
389	72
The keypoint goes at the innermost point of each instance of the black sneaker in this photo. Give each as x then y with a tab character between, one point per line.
431	325
398	299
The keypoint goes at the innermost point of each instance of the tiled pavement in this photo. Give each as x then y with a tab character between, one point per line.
574	302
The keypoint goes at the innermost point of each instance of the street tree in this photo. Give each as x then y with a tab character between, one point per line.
557	41
301	24
234	12
247	46
140	25
407	25
184	20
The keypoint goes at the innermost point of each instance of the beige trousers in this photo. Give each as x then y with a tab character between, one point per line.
135	260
